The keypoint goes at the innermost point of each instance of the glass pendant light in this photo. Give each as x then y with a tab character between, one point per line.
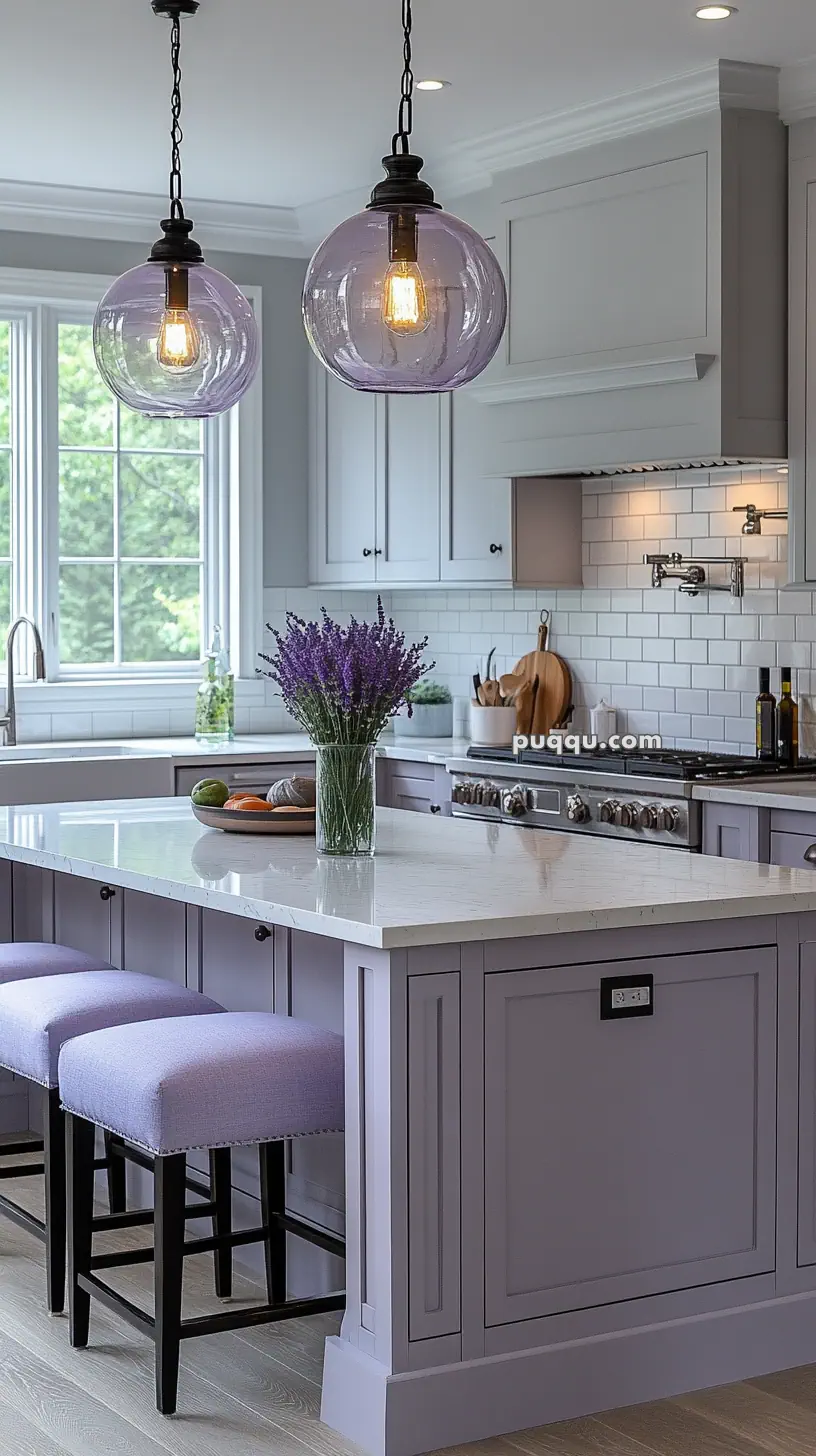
175	337
404	298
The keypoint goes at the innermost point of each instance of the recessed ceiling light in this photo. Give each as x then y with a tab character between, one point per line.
431	85
716	12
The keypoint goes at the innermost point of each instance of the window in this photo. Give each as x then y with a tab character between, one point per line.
124	537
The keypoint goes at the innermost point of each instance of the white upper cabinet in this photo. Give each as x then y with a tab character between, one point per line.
647	302
408	486
343	524
477	541
802	475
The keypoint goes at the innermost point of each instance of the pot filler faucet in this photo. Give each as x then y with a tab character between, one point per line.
8	723
692	575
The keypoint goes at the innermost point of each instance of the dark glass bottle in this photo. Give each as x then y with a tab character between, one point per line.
787	724
766	745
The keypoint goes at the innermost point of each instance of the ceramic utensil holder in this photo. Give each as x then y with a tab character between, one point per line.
492	727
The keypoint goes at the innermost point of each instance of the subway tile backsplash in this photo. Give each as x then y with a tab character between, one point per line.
684	667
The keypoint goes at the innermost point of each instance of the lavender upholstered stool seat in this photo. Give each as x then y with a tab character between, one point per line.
37	1015
172	1086
23	960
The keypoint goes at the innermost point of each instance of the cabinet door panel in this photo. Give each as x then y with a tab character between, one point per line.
736	831
154	935
343	481
317	1177
408	487
789	849
82	919
476	508
807	1104
628	1157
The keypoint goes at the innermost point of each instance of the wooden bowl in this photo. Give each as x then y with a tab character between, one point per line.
277	821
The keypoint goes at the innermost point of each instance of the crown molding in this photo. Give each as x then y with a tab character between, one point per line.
798	91
134	217
722	86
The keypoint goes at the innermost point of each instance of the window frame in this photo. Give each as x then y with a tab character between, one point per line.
37	302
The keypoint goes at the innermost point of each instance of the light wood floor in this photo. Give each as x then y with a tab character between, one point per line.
257	1393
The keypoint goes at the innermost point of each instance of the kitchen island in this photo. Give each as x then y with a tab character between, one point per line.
580	1151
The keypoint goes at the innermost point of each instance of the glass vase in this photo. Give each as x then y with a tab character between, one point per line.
345	798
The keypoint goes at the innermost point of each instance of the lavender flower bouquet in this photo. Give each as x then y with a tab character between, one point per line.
343	684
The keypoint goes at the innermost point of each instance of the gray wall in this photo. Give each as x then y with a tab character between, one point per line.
284	363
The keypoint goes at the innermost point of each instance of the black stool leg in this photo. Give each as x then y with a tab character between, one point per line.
169	1192
54	1157
273	1200
221	1192
80	1137
116	1174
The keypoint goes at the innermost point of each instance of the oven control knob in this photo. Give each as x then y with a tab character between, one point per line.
606	813
495	796
647	816
667	818
624	816
577	810
514	802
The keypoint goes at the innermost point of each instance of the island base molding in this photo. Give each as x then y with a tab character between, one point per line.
409	1414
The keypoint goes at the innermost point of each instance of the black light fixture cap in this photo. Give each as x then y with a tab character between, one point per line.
177	246
174	9
403	186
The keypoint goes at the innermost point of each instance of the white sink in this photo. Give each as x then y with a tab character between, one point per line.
35	752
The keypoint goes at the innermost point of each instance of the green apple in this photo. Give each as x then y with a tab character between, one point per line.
210	794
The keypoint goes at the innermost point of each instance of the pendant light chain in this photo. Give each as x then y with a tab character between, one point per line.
405	122
176	133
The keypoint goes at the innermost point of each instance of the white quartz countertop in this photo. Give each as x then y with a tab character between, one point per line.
781	793
248	748
433	881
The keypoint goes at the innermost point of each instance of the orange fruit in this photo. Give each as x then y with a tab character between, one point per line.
248	803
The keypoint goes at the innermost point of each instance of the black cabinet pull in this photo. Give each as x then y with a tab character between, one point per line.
810	854
436	808
377	552
367	551
494	549
106	893
262	933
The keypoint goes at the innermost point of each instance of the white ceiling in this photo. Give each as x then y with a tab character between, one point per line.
290	101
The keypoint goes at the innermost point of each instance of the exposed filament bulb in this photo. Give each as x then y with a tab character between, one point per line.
405	307
179	343
405	299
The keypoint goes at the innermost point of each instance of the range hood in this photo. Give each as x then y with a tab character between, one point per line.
648	301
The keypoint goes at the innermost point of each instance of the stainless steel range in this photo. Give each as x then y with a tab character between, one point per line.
644	797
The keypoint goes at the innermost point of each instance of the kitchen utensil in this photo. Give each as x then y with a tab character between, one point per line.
492	727
477	683
277	821
554	682
510	684
523	703
491	654
491	694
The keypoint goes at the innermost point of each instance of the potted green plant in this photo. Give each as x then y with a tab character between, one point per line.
431	712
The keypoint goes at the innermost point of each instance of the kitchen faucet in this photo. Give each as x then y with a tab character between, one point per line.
8	723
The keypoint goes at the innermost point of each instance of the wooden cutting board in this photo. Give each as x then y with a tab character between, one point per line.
554	684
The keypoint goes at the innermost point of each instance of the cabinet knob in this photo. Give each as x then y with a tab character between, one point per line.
494	549
106	893
436	808
810	854
367	551
262	933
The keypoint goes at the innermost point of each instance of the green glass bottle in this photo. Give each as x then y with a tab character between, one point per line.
215	699
787	723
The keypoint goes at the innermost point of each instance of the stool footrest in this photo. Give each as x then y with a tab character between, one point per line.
25	1145
312	1234
22	1170
266	1314
117	1303
23	1218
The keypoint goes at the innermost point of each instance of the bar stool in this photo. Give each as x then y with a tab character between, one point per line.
23	961
172	1087
37	1015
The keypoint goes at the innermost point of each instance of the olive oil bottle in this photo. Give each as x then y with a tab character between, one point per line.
787	724
766	734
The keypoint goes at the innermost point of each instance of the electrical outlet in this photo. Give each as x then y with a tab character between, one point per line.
623	996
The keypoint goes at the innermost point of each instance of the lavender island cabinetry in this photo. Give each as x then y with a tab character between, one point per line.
549	1209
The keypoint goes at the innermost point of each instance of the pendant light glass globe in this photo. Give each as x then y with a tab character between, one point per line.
195	361
424	324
